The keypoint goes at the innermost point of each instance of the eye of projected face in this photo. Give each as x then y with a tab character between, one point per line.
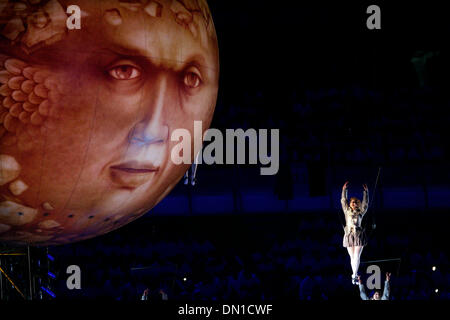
124	72
192	78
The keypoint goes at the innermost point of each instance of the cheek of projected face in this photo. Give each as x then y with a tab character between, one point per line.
85	120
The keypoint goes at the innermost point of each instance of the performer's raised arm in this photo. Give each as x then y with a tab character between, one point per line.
365	202
387	287
362	290
344	202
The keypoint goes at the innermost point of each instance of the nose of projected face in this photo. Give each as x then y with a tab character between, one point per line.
152	128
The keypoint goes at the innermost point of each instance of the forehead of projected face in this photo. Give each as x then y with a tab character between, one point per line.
167	33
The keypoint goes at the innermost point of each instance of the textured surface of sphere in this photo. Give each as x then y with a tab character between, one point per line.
86	115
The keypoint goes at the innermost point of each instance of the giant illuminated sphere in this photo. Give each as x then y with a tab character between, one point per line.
86	115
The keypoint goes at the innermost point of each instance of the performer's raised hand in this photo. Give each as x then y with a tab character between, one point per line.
345	185
365	187
388	276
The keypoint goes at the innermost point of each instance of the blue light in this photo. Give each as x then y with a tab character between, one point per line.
48	292
50	257
51	275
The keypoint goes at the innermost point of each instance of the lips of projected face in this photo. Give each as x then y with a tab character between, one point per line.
132	174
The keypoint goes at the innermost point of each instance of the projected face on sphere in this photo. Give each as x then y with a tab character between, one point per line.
86	115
